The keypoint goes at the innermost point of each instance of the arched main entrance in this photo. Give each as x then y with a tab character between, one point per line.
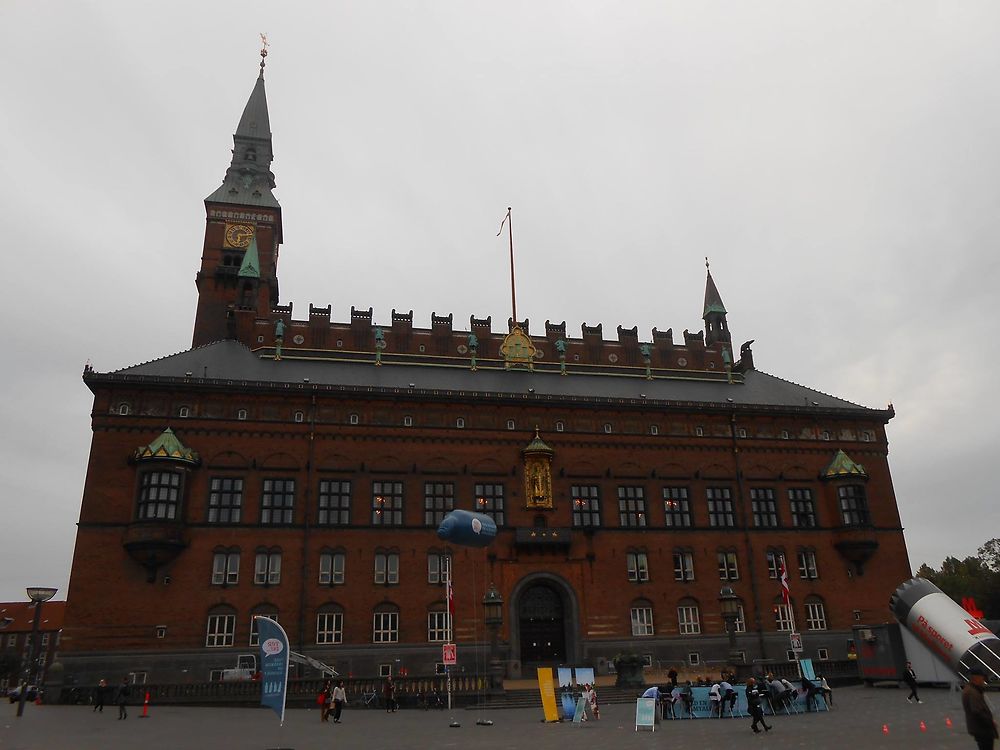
542	625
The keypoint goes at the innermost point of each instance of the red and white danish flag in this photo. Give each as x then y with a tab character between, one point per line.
783	575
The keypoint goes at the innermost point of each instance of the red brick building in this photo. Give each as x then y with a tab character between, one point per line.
298	467
16	622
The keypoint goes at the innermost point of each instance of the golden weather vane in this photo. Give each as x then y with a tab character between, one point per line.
264	44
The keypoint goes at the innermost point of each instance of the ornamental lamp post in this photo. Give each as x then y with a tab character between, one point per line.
493	617
730	605
38	595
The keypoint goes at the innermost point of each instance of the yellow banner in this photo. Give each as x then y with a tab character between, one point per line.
546	686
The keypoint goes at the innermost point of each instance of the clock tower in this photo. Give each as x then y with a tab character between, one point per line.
237	282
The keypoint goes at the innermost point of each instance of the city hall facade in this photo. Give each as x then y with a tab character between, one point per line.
298	467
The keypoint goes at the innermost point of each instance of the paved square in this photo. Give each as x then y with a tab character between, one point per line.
856	722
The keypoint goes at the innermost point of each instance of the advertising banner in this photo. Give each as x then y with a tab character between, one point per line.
547	688
273	665
645	713
584	675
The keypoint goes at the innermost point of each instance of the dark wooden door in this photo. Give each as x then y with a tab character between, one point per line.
543	631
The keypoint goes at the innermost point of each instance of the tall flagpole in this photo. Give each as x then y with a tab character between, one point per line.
510	235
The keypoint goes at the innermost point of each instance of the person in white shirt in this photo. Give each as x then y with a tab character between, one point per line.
339	699
715	696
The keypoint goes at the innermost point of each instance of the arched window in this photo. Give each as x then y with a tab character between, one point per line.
688	617
184	412
460	423
221	628
329	625
385	624
815	614
299	416
261	610
124	409
560	426
641	615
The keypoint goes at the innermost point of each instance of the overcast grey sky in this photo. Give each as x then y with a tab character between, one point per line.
838	161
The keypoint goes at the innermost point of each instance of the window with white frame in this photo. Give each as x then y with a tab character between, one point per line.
460	423
267	568
783	616
225	499
683	566
676	507
385	628
807	564
642	619
437	627
329	628
694	659
331	568
773	557
384	670
387	568
822	654
741	620
299	416
439	500
277	501
560	427
123	409
510	424
638	566
728	567
334	502
438	565
354	419
688	620
226	567
220	630
815	615
254	630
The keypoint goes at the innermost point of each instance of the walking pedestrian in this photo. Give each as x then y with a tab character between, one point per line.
99	693
121	698
753	705
910	677
979	719
389	694
326	699
591	695
339	699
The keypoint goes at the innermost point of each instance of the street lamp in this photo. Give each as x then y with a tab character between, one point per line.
493	617
38	595
730	605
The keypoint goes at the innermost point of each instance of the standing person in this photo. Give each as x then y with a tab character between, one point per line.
753	705
591	696
910	677
827	691
339	699
715	699
121	698
99	694
389	694
728	697
979	719
672	676
326	698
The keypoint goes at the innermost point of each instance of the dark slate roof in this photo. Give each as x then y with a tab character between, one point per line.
255	123
713	300
230	360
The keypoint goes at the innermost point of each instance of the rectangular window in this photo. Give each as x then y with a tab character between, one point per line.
331	568
800	500
741	621
437	627
638	566
329	628
815	616
387	503
386	627
254	632
642	621
683	566
728	569
807	564
220	631
586	505
334	503
225	499
631	507
489	500
822	654
765	509
438	565
215	675
439	500
688	621
677	507
225	568
11	641
783	617
853	505
159	495
386	568
720	507
773	564
267	569
277	501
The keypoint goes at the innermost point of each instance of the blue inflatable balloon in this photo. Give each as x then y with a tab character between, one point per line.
467	529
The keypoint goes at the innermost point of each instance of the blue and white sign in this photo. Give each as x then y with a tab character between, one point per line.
273	665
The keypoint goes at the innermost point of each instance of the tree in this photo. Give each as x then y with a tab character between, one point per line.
977	577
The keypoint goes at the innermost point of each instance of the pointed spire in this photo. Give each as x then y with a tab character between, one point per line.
250	268
713	300
249	180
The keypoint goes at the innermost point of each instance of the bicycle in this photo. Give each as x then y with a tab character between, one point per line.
370	700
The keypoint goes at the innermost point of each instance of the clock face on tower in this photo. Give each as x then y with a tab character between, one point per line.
238	235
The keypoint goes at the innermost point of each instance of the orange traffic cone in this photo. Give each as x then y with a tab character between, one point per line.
145	707
923	727
885	729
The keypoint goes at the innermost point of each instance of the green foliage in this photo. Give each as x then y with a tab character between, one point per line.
977	577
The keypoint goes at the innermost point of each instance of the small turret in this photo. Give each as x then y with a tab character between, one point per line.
716	328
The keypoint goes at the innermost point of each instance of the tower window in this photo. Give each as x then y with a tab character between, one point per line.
354	419
560	427
183	412
299	416
241	414
123	409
